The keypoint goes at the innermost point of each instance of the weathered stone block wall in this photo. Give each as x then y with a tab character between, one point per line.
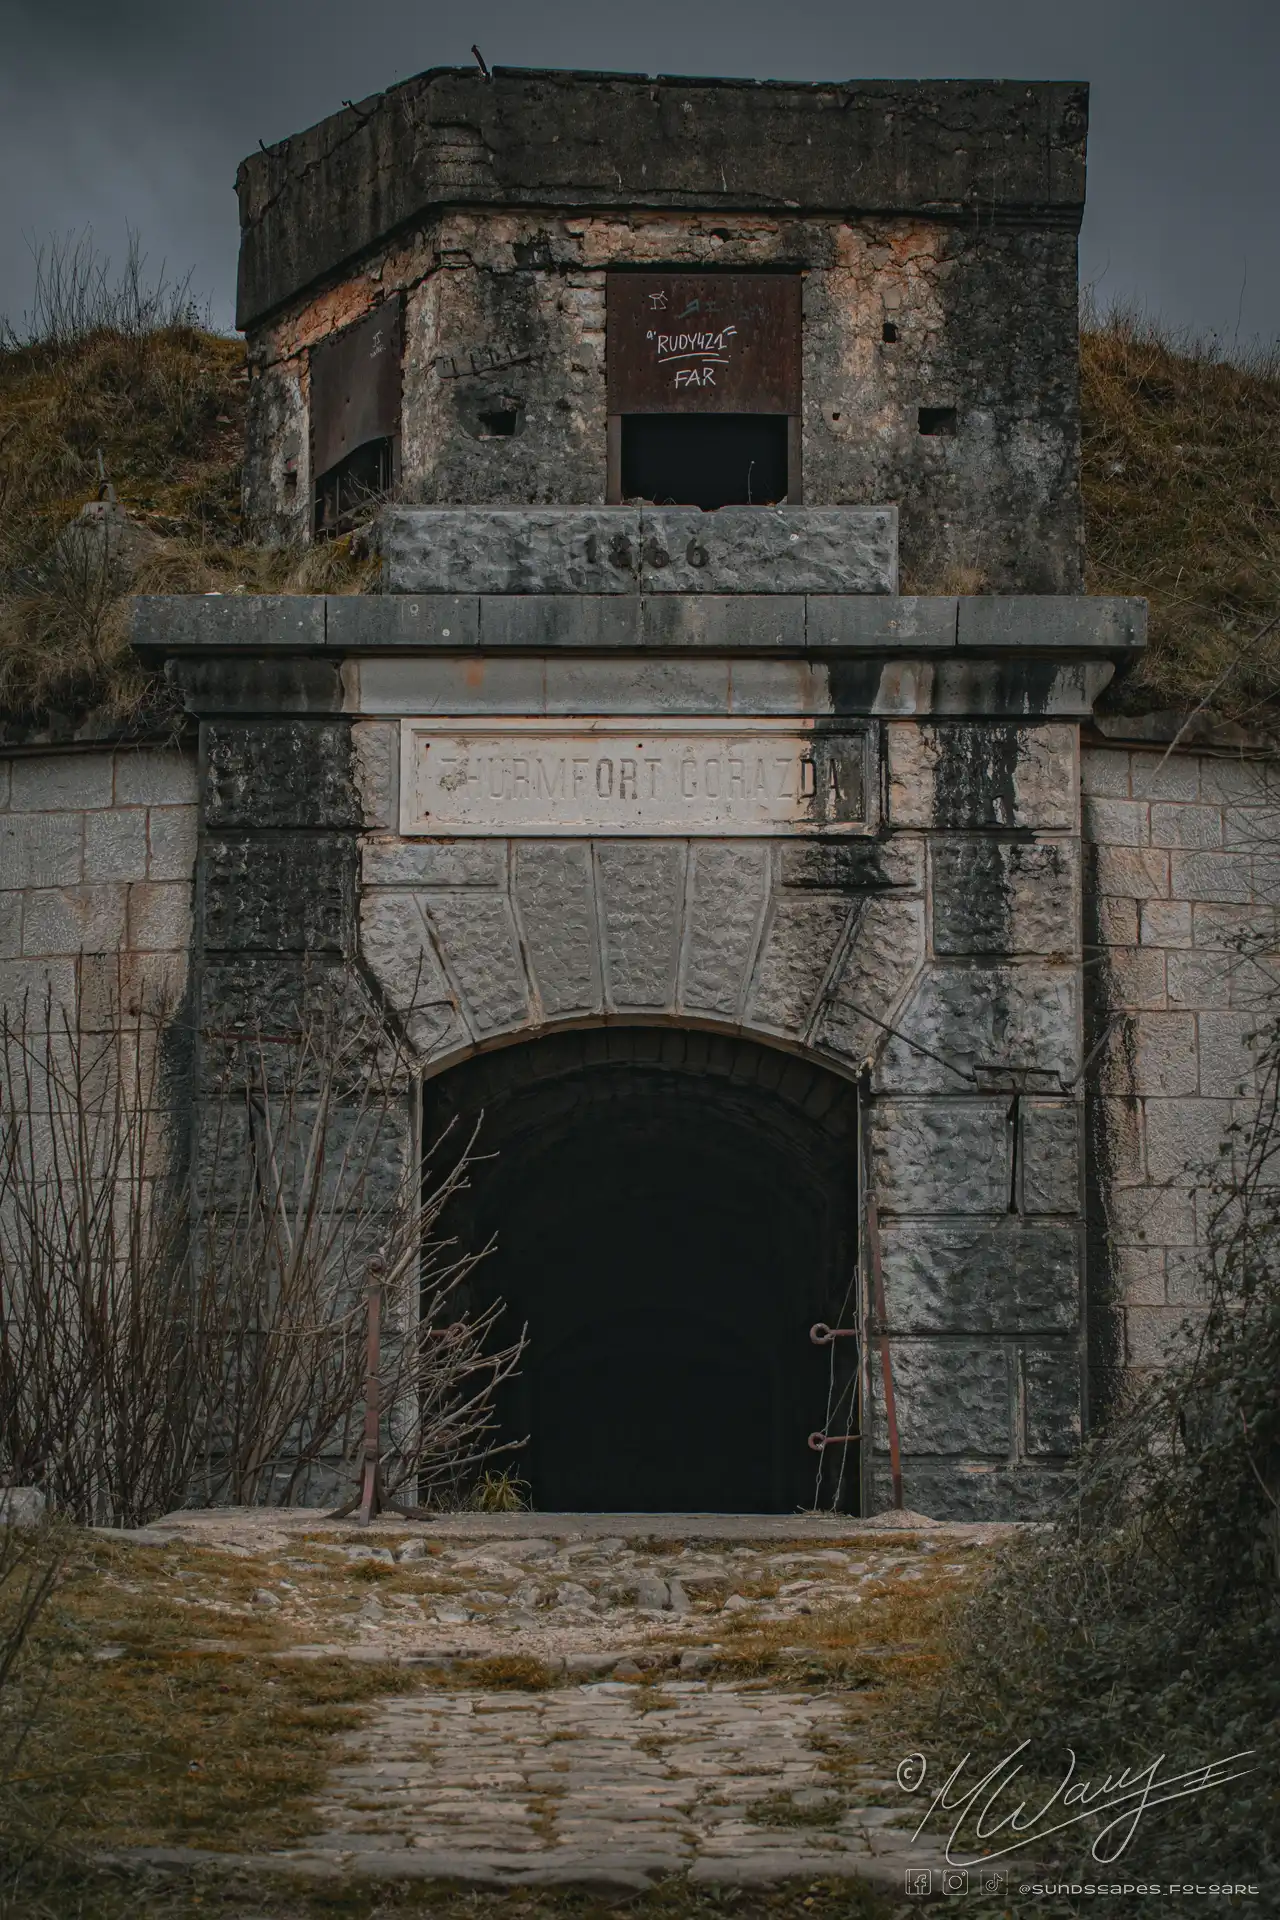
276	891
1182	864
97	851
942	954
933	956
975	1131
508	308
957	926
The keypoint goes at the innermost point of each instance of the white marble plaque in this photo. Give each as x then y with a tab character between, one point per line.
548	778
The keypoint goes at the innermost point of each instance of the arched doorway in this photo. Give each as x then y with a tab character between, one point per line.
673	1211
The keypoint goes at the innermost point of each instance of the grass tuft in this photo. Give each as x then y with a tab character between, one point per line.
781	1810
518	1671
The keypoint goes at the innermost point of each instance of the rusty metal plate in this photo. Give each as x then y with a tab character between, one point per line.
355	387
703	342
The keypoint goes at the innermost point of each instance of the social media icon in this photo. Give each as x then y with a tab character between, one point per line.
990	1880
919	1880
955	1880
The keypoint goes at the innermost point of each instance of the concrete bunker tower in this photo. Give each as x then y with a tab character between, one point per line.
702	790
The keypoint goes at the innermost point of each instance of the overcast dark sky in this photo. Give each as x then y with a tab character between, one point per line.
139	110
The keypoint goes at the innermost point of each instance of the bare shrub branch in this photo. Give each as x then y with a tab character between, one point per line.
166	1339
98	1373
318	1119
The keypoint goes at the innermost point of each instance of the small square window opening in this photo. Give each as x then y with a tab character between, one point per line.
499	423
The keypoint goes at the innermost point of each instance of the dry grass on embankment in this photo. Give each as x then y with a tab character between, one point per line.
1181	486
164	407
1181	477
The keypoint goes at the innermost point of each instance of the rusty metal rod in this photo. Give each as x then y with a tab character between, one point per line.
371	1499
822	1335
370	1487
886	1364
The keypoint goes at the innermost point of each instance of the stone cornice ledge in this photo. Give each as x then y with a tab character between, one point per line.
817	626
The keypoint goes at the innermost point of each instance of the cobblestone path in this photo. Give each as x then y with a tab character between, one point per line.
614	1782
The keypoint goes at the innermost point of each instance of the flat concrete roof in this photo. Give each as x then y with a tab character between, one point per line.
313	204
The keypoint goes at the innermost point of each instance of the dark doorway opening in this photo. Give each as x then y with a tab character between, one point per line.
673	1213
705	460
348	490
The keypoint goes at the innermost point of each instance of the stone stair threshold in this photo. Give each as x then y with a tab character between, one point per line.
614	1870
572	1527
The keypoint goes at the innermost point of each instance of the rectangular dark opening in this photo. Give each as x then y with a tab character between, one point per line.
705	460
499	422
350	487
938	420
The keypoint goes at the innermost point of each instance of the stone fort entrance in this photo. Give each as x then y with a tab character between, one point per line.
673	1212
721	705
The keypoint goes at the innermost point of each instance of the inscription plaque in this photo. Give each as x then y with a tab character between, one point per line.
549	778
